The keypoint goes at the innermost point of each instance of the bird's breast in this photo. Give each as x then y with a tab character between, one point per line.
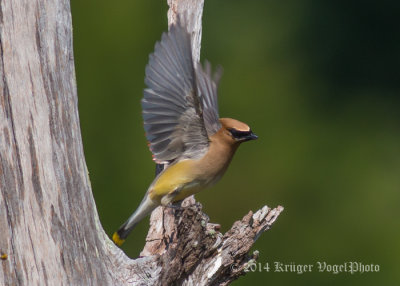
191	176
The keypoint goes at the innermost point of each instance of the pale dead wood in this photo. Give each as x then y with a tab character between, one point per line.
193	250
49	225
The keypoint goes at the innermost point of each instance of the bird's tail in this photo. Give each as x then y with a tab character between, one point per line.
145	208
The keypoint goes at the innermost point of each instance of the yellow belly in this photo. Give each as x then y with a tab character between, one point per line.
182	177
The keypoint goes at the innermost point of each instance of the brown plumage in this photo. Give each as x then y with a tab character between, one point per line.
180	112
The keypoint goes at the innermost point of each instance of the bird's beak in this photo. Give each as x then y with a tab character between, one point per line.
251	136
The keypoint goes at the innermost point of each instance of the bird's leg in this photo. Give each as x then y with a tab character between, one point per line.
178	205
169	201
175	205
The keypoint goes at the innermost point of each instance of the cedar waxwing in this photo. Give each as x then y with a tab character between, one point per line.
182	125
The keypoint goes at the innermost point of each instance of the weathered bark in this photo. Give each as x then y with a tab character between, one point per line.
50	230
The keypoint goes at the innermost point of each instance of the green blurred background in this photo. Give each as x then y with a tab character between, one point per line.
318	81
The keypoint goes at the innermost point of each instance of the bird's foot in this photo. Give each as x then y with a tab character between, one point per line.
178	205
175	206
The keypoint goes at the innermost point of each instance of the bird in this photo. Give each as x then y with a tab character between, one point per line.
190	144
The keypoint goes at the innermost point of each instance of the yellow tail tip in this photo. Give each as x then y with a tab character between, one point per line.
117	240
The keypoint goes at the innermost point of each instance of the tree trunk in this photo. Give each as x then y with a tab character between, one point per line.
50	229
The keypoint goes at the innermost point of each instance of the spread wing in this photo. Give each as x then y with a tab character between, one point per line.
172	110
207	89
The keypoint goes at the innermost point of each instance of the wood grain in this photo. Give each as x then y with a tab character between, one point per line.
50	229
